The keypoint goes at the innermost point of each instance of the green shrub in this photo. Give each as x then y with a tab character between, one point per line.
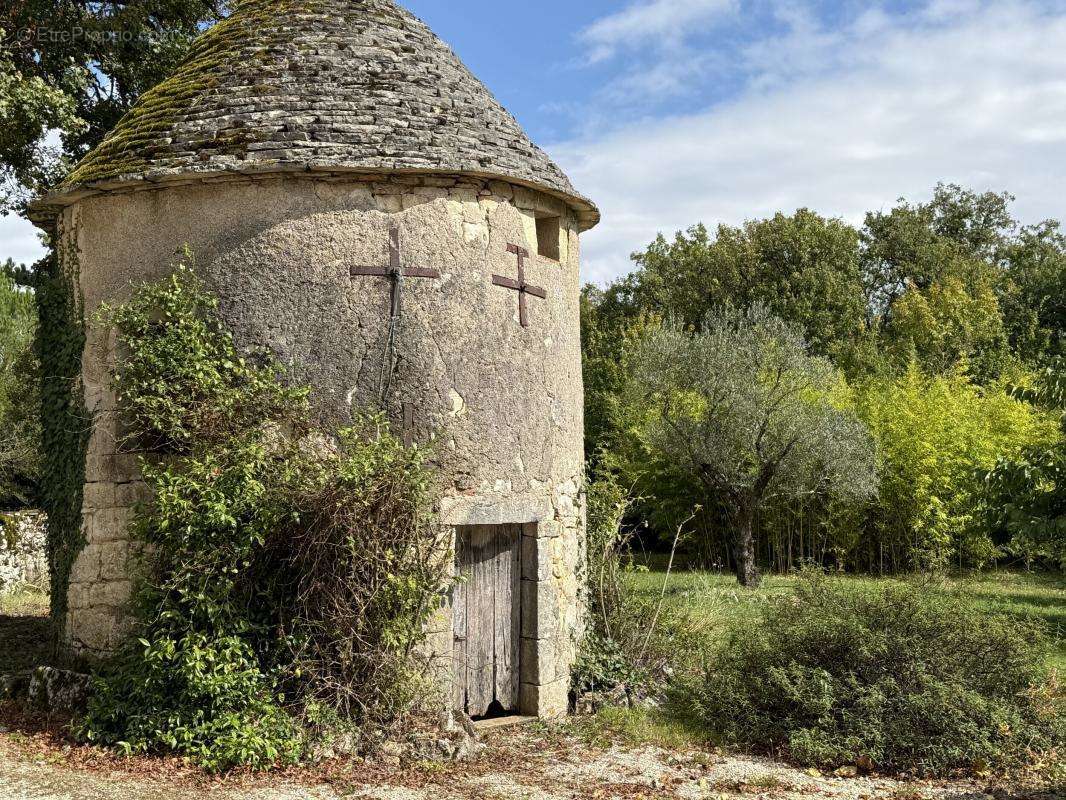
911	677
182	378
289	572
20	429
633	641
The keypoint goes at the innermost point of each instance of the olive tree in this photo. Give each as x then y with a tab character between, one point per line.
744	407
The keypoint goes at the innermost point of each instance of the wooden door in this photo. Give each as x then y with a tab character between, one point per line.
486	606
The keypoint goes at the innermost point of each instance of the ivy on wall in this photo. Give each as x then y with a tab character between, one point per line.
65	424
291	569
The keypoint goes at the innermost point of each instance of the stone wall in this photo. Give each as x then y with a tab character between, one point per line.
500	404
23	557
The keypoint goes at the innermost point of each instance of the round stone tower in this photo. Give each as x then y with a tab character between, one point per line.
366	209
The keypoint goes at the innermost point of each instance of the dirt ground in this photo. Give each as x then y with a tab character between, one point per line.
534	762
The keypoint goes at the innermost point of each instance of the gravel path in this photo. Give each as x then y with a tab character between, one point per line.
525	764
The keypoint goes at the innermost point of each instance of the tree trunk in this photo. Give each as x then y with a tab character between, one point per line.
744	550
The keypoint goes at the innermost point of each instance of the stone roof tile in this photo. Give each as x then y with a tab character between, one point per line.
351	84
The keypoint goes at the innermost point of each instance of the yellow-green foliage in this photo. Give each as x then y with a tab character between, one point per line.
947	323
936	437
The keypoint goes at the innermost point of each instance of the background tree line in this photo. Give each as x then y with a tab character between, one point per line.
930	339
942	324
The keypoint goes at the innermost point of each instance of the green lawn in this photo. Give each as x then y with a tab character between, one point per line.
713	599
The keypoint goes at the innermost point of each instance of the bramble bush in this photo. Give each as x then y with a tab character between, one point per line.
907	677
289	572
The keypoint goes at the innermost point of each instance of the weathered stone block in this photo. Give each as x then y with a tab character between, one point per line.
86	567
535	565
112	594
548	700
540	610
98	495
128	495
126	467
78	595
544	660
111	525
114	559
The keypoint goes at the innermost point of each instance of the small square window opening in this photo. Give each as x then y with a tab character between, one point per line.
548	229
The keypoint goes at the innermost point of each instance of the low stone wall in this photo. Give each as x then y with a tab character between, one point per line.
22	550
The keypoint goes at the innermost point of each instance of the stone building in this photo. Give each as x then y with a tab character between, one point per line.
366	209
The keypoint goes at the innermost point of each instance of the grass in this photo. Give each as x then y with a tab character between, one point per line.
714	599
710	601
640	727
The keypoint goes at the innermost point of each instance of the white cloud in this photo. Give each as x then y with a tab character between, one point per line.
18	240
843	122
662	23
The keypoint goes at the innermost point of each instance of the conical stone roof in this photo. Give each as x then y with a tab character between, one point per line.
331	85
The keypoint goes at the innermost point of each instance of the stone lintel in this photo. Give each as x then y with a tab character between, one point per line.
495	511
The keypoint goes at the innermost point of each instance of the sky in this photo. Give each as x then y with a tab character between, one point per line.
672	112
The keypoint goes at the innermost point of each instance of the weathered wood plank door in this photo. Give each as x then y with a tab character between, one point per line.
486	609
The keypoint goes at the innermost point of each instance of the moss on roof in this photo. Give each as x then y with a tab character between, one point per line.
346	84
140	135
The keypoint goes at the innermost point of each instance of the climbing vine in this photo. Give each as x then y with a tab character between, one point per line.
291	570
64	420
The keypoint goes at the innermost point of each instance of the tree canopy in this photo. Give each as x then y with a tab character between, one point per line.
804	268
69	69
751	412
932	313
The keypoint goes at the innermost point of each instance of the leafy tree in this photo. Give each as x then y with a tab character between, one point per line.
933	273
19	426
29	107
803	267
1033	291
1025	497
916	245
746	409
75	67
607	341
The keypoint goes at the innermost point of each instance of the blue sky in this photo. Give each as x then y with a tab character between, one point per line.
670	112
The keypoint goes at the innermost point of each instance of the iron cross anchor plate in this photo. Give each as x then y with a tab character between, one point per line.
395	273
520	285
